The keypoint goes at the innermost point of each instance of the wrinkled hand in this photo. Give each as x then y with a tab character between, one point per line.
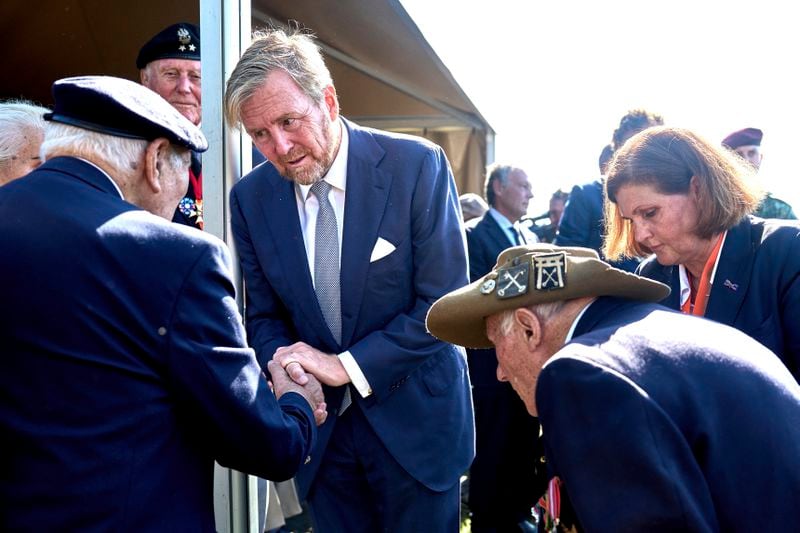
300	359
311	389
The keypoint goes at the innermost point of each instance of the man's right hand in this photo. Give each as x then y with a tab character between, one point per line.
311	390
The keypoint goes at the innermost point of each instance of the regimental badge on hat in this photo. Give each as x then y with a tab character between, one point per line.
512	281
551	271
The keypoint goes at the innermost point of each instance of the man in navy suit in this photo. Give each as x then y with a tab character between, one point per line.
652	420
503	485
126	372
346	236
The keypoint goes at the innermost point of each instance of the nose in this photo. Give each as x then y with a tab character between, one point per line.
184	84
640	232
281	143
501	375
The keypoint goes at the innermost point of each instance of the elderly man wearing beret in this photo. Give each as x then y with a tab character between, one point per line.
169	64
652	420
126	371
747	144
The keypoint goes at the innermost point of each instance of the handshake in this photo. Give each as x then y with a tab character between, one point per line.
300	368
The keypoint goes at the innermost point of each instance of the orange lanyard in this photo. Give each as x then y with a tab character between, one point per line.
697	301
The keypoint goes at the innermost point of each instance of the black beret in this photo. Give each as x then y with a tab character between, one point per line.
122	108
179	41
745	137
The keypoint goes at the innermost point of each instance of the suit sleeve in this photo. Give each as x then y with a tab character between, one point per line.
268	325
386	356
624	463
218	379
576	226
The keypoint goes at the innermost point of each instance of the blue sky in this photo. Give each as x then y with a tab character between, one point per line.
554	78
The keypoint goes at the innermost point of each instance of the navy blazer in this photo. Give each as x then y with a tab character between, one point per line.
757	285
125	366
485	240
660	422
400	189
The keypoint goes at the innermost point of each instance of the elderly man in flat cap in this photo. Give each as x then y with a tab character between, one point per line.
169	64
126	371
747	144
652	420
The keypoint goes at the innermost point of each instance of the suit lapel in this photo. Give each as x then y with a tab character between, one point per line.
733	275
278	203
498	234
365	204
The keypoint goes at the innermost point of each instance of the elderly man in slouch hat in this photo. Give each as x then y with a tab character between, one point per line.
648	415
126	372
169	64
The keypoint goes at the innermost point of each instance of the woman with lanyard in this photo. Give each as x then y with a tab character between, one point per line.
686	201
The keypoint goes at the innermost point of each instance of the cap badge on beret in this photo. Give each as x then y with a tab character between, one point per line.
178	41
183	36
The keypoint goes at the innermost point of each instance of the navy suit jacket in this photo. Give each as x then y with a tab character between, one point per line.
399	188
485	240
125	366
757	285
582	222
658	421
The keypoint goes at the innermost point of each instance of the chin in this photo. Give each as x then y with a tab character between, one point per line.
665	260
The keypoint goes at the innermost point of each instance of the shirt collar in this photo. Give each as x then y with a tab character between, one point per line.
500	219
571	331
683	277
104	173
337	174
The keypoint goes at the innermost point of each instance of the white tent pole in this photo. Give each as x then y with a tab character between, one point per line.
225	33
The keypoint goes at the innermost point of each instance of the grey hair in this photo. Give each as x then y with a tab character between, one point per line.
544	311
293	52
120	152
496	172
17	118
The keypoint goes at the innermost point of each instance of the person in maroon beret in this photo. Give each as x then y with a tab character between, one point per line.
747	143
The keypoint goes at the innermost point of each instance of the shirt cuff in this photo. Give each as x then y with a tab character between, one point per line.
357	377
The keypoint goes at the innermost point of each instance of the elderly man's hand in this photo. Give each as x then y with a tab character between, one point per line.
311	390
300	359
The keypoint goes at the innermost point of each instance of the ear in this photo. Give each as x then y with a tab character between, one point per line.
497	187
143	78
694	187
530	327
153	156
331	101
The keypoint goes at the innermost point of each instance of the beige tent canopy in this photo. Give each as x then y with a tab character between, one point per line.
386	74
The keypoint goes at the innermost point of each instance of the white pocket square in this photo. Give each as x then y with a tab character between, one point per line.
381	250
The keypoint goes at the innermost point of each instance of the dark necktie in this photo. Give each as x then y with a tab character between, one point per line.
326	261
518	237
